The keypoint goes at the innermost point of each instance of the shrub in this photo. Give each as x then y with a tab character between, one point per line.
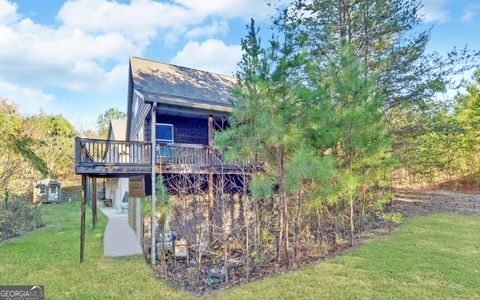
18	217
394	217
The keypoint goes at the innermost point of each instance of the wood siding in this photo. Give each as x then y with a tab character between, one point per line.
187	130
139	111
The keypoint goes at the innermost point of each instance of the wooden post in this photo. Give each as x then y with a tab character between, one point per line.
104	193
210	180
210	131
210	207
34	193
77	151
87	190
59	190
94	202
153	120
82	219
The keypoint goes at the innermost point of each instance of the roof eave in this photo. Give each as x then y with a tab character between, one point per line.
189	104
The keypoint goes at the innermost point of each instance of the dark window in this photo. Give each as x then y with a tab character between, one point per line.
164	133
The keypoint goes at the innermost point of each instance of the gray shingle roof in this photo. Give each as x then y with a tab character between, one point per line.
176	85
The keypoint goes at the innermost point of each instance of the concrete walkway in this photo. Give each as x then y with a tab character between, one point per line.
119	239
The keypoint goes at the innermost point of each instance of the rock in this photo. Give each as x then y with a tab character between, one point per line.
233	263
216	274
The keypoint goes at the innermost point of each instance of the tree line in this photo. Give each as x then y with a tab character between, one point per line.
39	146
341	96
438	145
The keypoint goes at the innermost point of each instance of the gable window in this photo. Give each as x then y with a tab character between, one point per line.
41	190
134	106
137	97
164	133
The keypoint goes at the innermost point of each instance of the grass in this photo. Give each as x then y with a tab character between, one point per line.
429	257
50	256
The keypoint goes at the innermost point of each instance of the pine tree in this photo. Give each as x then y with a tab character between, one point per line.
387	37
263	122
363	144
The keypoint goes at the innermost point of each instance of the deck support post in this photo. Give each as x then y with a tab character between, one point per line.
153	119
94	202
82	219
87	190
210	207
210	180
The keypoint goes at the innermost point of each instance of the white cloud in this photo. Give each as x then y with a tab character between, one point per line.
216	27
94	34
29	101
468	16
244	9
35	55
139	20
89	48
470	12
434	11
211	55
8	12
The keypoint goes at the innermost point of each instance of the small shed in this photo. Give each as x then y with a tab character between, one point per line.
47	190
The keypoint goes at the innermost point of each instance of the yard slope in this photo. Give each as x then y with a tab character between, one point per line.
434	257
429	257
50	257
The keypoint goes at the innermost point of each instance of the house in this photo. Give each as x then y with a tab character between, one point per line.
116	189
172	114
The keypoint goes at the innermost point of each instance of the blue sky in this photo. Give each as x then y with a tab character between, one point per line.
71	57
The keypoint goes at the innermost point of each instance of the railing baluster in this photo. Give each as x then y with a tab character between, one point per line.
107	152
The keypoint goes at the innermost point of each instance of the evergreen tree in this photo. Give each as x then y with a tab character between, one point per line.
103	120
263	122
387	38
363	144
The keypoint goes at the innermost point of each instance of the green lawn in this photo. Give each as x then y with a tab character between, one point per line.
427	258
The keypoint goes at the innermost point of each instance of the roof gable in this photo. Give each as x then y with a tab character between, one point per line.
117	130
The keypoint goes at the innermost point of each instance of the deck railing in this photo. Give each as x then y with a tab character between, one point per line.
96	152
107	152
183	154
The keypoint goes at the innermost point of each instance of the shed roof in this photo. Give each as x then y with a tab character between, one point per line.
175	85
118	130
48	182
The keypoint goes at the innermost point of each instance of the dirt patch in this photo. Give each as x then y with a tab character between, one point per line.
410	202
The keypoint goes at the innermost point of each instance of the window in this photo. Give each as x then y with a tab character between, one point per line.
41	190
53	190
164	133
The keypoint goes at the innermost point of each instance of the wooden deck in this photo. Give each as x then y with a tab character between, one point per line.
120	158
